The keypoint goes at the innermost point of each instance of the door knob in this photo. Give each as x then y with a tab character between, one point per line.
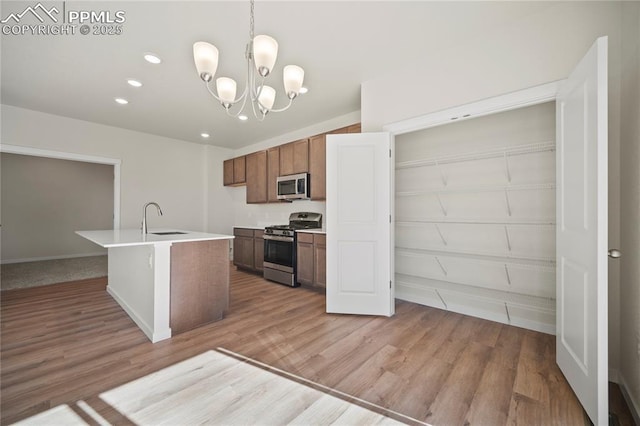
614	253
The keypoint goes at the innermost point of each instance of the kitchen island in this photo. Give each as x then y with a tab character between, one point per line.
167	281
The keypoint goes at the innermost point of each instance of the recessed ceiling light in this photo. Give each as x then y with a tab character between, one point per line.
152	58
122	101
243	117
303	90
134	83
205	135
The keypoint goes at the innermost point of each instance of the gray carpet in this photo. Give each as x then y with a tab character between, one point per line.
33	274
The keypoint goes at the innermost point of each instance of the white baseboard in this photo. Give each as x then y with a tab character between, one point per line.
148	331
66	256
634	406
614	376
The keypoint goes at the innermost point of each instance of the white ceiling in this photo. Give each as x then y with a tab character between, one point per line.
339	44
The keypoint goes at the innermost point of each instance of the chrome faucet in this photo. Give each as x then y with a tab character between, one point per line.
144	215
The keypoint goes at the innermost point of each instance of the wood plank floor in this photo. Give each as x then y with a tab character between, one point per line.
70	342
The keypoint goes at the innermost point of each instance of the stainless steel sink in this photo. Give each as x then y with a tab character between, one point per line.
168	233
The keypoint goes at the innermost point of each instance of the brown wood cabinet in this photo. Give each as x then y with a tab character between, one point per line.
318	166
258	250
256	172
234	171
320	260
294	157
260	170
199	283
311	259
304	258
273	171
248	249
318	161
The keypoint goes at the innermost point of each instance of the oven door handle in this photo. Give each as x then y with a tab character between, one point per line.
278	238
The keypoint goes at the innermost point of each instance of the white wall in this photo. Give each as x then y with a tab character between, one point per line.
536	49
153	168
219	198
44	200
630	207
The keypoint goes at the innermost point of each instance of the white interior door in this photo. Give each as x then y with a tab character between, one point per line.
581	207
359	231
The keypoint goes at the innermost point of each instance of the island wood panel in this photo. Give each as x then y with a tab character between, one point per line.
405	363
273	171
256	173
199	283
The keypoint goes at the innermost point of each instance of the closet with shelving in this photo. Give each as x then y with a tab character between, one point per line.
475	216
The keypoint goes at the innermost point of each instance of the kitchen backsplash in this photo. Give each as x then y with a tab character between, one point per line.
270	214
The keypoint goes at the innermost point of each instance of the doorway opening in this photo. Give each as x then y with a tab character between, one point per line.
47	197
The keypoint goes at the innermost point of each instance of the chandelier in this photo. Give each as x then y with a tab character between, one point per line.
261	53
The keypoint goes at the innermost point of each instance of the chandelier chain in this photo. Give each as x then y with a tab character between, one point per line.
251	23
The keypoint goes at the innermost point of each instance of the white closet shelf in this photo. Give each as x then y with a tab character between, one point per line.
485	188
460	221
502	258
511	297
481	155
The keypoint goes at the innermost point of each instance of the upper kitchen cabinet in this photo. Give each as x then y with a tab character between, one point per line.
354	128
294	157
273	171
317	166
318	160
256	173
234	172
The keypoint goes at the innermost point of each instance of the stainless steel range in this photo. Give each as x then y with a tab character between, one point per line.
280	247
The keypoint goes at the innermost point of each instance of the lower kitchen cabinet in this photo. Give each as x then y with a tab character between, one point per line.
258	250
248	249
320	260
311	259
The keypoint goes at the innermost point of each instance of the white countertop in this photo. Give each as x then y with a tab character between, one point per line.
313	231
134	237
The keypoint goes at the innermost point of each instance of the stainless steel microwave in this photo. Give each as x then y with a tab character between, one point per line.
293	187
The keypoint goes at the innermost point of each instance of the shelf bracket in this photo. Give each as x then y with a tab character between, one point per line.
506	308
444	179
506	234
506	197
506	271
506	167
441	236
444	211
441	299
444	271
